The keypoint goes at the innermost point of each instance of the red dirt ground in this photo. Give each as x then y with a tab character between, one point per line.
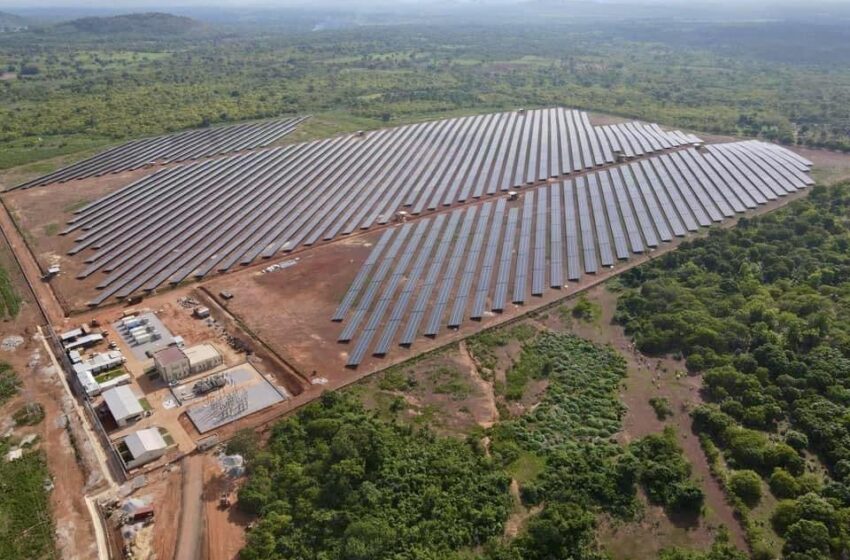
74	530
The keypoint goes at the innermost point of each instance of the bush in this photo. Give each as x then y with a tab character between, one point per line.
661	406
807	537
797	440
665	474
783	484
29	414
746	485
586	310
9	382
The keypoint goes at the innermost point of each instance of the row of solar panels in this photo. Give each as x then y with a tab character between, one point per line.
212	215
172	148
592	221
450	159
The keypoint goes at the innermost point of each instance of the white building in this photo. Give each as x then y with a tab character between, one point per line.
87	369
123	405
175	363
84	341
143	447
202	357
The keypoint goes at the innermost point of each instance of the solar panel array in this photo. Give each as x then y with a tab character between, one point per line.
172	148
211	215
593	220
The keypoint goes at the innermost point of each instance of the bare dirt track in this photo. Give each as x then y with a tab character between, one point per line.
190	529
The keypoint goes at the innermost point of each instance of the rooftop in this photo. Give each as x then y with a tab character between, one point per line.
201	353
169	356
144	441
122	402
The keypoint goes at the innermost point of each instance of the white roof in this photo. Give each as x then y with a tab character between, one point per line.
122	402
144	441
74	333
83	340
201	353
86	379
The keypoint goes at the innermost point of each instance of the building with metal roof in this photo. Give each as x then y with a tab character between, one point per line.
123	405
143	447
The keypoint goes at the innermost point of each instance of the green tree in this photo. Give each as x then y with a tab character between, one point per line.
746	485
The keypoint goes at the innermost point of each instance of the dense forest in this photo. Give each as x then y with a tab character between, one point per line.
64	92
762	311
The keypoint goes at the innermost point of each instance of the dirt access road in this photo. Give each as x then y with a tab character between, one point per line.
191	528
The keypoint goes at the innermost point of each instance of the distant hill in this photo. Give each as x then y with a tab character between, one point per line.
151	24
12	22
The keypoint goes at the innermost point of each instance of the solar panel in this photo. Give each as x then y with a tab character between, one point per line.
571	223
374	283
787	166
362	344
436	266
586	224
521	274
600	220
565	142
701	183
532	174
696	200
645	196
501	291
756	187
763	183
211	215
589	133
483	287
620	246
675	210
556	257
362	275
470	268
575	144
626	210
410	285
192	144
448	280
538	269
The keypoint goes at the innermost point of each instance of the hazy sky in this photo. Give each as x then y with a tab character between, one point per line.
353	4
719	7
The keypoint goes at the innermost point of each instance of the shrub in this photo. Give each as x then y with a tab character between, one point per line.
783	484
746	485
29	415
661	406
